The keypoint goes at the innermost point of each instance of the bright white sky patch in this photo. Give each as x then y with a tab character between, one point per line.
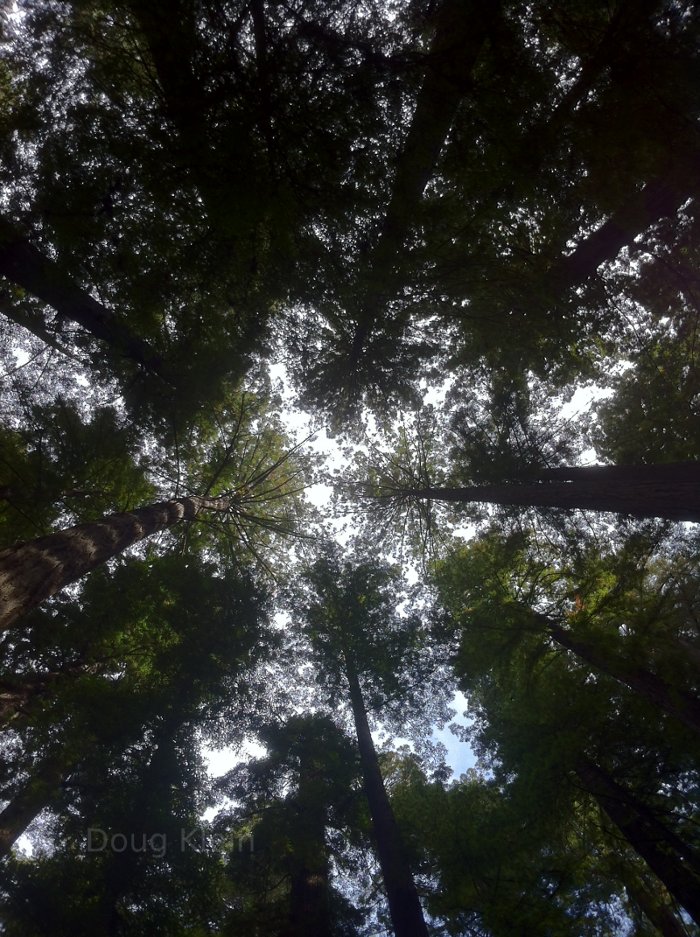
221	760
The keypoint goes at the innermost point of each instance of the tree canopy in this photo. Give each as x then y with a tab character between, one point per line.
348	363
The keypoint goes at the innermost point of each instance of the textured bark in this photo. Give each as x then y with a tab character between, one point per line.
31	572
26	266
671	491
677	703
25	806
672	860
668	472
404	904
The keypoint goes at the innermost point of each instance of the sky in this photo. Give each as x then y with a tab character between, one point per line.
459	756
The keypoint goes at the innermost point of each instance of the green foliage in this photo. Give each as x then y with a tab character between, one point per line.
652	415
539	708
301	807
497	864
506	431
634	605
355	612
240	451
61	464
168	661
443	219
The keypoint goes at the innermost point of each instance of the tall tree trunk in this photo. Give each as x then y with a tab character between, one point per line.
460	32
31	572
27	804
676	702
26	266
659	198
665	472
404	904
654	909
672	860
670	490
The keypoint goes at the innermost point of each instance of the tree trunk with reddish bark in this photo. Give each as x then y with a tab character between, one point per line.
670	490
404	904
31	572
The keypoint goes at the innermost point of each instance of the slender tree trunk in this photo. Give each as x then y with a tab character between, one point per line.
31	572
665	853
460	32
671	491
25	806
404	904
33	322
676	702
26	266
659	198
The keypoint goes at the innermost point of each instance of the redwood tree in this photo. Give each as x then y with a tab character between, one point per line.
26	266
364	647
593	723
668	490
31	572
